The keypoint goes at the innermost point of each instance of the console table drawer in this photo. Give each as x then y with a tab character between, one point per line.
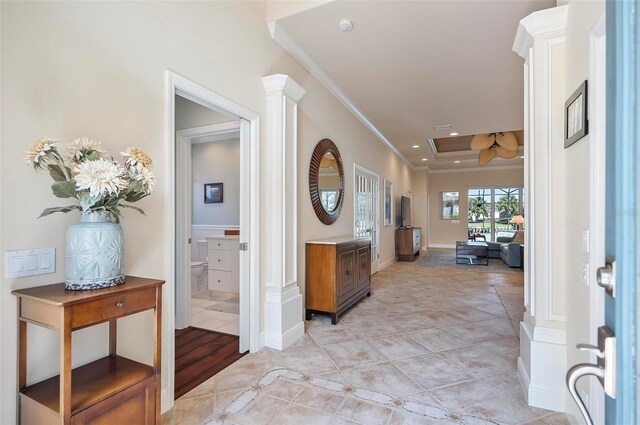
112	307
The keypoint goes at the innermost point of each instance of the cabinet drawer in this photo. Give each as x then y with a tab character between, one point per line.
218	280
112	307
134	405
220	260
222	244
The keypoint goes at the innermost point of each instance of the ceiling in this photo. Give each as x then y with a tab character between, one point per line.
463	143
409	66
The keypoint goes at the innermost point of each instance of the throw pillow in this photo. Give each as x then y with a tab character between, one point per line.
519	238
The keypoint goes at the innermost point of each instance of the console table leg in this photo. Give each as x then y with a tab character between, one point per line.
65	368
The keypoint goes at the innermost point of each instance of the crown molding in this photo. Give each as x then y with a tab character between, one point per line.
290	46
540	22
478	169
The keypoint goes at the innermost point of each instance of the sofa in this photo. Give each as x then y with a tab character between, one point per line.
507	248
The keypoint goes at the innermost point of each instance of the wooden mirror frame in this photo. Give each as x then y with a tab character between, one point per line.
324	146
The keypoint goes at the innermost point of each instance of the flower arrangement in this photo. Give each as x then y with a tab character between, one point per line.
90	175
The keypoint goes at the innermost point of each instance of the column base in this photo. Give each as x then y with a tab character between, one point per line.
283	317
542	366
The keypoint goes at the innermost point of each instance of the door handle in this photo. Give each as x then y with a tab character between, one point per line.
604	370
577	372
606	276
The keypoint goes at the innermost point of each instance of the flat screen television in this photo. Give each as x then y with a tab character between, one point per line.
405	211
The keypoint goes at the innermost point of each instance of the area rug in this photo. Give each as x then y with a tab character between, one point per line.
244	401
447	259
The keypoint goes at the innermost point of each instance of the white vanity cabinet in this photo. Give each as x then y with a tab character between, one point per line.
224	262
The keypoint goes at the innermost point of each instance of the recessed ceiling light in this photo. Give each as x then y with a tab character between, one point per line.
522	157
456	162
416	146
453	134
443	127
345	25
424	159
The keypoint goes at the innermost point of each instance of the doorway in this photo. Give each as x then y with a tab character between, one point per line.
179	193
208	187
366	210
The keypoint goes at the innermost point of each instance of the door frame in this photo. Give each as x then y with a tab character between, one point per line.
184	206
176	84
597	191
357	168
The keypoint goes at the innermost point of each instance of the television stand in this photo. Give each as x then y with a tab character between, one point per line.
408	243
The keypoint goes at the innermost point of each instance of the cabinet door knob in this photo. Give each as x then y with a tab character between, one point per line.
120	304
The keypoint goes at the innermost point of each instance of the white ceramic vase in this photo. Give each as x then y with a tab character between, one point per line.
95	253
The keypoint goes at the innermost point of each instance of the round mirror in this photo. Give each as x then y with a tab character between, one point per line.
326	181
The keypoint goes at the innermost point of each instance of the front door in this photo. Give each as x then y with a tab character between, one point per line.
622	224
366	219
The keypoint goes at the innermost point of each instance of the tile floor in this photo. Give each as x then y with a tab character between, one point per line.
215	311
430	346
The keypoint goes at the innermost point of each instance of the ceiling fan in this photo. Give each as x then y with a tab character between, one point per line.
503	145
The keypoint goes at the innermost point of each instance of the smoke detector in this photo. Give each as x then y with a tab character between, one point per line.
345	25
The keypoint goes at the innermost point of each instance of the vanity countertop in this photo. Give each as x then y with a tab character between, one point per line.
229	237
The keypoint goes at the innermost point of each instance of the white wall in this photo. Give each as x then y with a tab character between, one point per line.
446	232
98	69
582	15
216	162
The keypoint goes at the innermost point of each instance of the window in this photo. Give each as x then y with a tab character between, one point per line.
490	209
328	199
450	205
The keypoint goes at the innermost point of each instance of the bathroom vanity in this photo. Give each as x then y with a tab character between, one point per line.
224	263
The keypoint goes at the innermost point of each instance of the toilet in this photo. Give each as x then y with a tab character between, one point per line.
199	265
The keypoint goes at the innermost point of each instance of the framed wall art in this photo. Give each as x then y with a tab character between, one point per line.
576	125
213	193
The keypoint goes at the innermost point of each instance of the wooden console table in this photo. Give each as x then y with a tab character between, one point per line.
112	389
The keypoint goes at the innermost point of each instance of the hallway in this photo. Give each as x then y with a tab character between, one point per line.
429	346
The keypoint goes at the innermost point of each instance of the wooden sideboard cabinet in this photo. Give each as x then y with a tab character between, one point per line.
408	243
110	390
338	274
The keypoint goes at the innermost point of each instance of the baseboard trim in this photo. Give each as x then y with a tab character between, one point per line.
279	342
545	399
165	403
386	263
442	245
523	378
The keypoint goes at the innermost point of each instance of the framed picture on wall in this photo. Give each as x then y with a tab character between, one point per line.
213	193
388	203
576	125
450	205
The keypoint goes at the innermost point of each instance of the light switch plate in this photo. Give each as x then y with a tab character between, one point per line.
585	241
29	262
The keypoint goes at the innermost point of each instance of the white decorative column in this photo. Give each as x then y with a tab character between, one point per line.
542	364
283	301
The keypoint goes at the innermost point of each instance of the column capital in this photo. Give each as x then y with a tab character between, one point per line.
284	83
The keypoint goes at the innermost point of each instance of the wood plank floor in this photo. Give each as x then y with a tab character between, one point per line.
200	354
